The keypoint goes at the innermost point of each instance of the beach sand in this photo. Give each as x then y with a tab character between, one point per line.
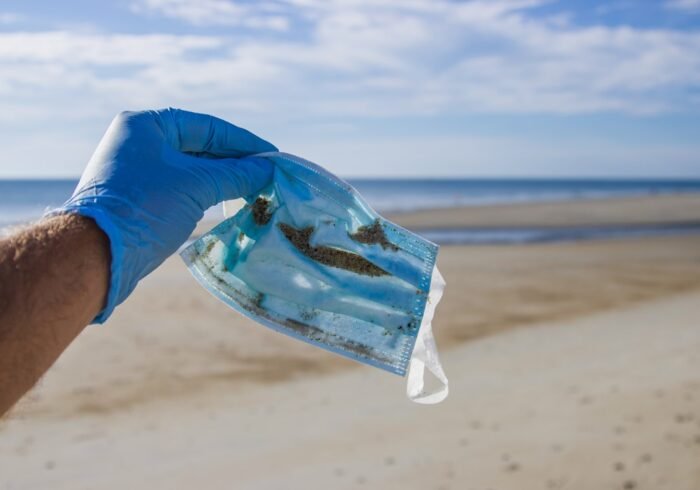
571	366
641	210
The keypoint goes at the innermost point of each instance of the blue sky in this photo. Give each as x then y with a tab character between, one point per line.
367	87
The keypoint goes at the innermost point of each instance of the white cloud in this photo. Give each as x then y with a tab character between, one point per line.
7	18
380	57
215	12
347	58
70	48
363	58
684	5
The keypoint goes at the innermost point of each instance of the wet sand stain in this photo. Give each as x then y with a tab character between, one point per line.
314	333
261	212
373	233
208	248
327	255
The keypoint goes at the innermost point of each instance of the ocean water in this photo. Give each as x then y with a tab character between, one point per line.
410	195
512	235
25	200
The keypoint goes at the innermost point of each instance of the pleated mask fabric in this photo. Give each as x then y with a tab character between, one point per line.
308	257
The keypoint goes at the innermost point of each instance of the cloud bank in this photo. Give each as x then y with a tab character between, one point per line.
360	58
332	62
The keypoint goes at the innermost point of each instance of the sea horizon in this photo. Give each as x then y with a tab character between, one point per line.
27	199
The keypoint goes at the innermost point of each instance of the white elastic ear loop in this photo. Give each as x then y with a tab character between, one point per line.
425	351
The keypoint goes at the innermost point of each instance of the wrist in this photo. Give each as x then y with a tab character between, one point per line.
71	233
138	242
101	224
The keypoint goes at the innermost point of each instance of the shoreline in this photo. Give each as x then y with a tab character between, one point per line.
679	209
548	221
646	210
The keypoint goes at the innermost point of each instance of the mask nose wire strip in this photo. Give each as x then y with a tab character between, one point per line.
425	352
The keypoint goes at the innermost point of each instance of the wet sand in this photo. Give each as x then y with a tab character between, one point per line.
647	210
571	366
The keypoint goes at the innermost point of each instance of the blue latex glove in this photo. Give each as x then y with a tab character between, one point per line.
152	177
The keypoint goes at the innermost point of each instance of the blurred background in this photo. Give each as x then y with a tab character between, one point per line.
551	148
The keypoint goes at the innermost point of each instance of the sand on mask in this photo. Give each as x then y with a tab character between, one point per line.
261	211
373	233
309	258
333	257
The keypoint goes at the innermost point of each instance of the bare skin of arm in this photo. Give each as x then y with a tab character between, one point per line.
54	278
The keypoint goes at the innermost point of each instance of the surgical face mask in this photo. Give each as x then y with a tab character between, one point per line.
310	258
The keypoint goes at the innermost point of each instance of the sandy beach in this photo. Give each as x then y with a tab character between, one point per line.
637	210
572	366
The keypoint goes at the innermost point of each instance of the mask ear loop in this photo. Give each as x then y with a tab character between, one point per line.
425	353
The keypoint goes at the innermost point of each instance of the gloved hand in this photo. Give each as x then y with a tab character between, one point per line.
152	177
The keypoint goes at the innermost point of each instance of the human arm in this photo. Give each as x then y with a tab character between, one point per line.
53	282
145	188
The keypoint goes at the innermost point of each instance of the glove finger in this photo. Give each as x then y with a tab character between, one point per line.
192	132
231	178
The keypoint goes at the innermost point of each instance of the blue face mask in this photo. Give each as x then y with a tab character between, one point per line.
309	258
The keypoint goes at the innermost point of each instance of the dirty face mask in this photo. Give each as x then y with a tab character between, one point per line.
310	258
